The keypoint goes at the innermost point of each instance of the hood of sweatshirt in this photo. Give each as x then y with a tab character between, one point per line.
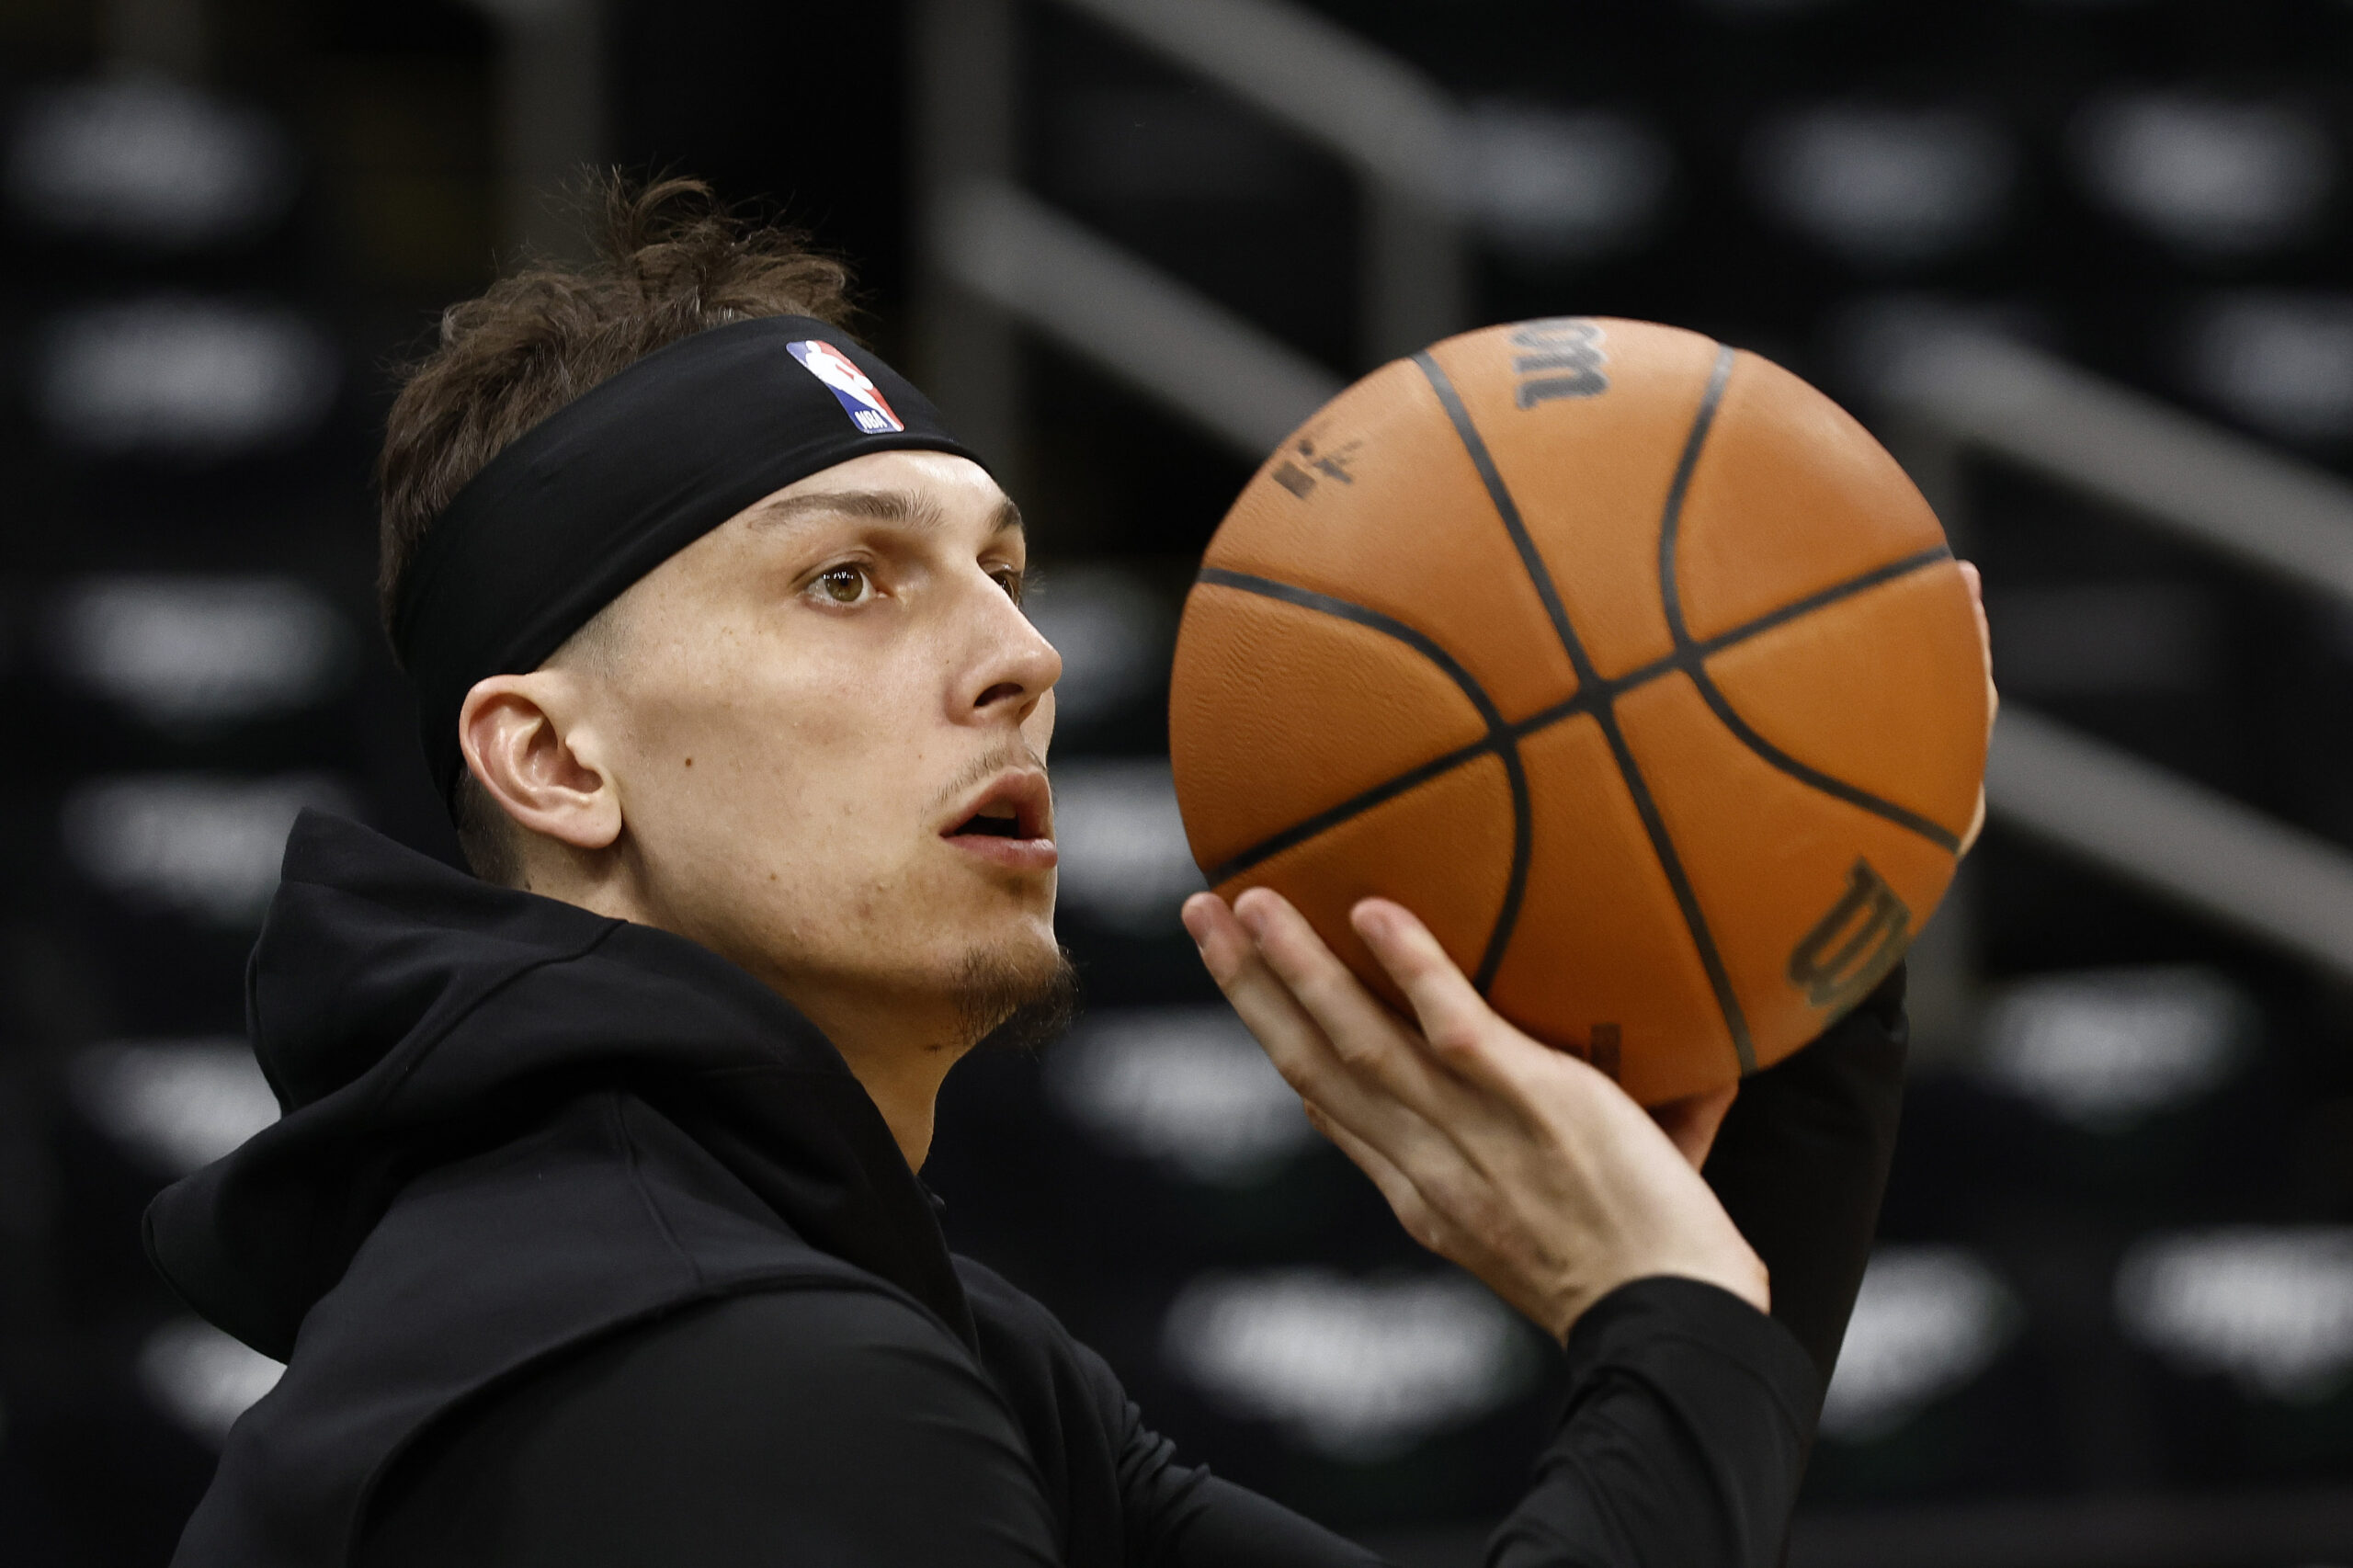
409	1016
508	1126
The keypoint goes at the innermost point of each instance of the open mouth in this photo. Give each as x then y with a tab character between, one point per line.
1014	807
994	823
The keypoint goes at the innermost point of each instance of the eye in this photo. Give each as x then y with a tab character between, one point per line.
844	584
1010	579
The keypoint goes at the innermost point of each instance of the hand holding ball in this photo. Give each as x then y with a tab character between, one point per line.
1629	663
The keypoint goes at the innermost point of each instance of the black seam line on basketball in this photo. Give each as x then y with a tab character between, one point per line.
1690	659
1523	837
1686	897
1611	688
1501	742
1711	960
1687	658
1539	576
1301	832
1307	599
1705	647
1498	740
1942	837
1542	719
1523	847
1654	823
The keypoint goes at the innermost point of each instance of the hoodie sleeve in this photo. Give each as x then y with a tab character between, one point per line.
817	1426
842	1427
1689	1413
1683	1441
1802	1160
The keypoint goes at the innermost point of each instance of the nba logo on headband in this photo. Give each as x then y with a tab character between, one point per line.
860	398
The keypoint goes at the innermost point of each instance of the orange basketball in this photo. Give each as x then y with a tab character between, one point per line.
1628	662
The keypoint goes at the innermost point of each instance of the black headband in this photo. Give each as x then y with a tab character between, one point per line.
615	483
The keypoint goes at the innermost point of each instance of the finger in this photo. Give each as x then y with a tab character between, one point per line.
1976	581
1976	825
1231	955
1368	1038
1405	1200
1431	1225
1291	1038
1462	1029
1225	946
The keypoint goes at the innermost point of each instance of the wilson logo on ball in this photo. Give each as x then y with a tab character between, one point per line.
1851	947
1667	709
1558	357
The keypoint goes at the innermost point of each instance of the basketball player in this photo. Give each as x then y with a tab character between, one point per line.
592	1232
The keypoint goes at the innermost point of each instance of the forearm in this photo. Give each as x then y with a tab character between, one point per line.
1686	1436
1683	1442
1802	1160
1691	1414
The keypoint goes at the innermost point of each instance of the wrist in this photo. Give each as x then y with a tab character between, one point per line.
1736	1270
1672	1322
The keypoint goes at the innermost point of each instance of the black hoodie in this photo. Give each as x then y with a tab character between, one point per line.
514	1129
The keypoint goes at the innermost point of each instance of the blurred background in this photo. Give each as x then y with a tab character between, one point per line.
2082	263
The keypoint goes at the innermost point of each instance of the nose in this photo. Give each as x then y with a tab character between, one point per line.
1016	665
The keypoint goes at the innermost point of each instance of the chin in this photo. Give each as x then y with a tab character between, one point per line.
1023	947
1015	920
1018	994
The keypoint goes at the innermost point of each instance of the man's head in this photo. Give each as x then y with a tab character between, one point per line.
775	741
673	263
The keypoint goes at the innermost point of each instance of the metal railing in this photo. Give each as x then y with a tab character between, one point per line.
991	256
997	259
1197	359
1387	121
2206	486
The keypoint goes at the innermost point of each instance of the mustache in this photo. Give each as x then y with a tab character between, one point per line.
985	767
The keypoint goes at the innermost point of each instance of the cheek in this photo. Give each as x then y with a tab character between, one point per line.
1038	729
772	754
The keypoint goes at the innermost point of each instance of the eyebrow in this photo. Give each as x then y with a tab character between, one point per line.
906	508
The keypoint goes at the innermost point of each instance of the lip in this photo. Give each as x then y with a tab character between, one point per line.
1031	845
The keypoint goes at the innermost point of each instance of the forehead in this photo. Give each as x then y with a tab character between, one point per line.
936	487
934	495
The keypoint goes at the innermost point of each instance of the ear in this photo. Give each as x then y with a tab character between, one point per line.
528	746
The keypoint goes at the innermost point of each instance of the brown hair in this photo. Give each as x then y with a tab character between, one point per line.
672	261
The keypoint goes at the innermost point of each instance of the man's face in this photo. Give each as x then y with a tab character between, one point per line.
827	723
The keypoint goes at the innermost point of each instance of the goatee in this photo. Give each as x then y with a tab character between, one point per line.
1008	1005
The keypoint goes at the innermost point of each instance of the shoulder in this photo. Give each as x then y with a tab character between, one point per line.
1071	1406
994	1297
1026	1346
759	1370
761	1416
757	1343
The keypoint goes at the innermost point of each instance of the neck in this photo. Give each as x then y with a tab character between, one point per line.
899	1048
900	1059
